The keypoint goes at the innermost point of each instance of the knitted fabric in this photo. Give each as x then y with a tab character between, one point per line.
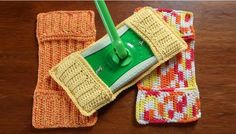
87	90
170	93
59	33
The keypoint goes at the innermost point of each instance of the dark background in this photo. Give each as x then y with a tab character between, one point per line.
215	24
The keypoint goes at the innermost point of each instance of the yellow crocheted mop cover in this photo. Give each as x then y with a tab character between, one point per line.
87	90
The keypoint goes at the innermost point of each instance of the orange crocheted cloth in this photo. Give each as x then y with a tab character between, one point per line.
59	33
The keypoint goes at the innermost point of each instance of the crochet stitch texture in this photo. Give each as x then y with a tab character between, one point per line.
87	90
170	93
59	33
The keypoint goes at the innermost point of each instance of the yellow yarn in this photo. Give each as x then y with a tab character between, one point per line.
87	90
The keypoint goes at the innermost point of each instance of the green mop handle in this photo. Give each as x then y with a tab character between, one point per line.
111	29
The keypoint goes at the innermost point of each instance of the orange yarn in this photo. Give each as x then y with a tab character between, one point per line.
59	33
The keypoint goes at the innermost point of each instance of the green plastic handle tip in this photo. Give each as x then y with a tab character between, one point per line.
112	32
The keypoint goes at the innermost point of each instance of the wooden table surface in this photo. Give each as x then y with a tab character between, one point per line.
215	24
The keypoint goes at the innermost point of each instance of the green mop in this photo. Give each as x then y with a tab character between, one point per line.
95	76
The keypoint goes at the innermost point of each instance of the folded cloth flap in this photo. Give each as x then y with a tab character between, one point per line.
51	26
81	83
162	39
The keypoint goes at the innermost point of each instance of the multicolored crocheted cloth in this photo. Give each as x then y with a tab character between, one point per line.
59	33
169	93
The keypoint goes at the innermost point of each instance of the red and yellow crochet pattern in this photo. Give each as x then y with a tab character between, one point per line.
59	34
169	93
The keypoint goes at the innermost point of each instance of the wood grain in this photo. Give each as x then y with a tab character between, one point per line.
215	24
